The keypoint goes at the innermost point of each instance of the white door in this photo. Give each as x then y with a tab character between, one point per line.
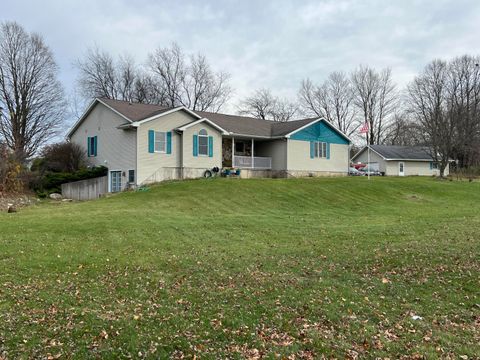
115	181
401	169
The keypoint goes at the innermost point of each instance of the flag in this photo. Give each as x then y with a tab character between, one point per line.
364	129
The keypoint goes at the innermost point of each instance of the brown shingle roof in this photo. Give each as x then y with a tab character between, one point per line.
135	111
239	125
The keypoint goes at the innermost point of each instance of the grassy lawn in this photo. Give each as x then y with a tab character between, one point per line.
247	269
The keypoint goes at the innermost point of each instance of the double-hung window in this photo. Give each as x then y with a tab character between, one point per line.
131	176
320	149
203	142
160	142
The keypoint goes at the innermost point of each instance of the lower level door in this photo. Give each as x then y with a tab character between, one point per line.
115	181
401	169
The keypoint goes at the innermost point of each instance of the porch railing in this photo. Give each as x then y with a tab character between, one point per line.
249	162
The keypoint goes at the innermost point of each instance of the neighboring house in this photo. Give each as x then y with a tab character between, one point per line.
400	160
141	143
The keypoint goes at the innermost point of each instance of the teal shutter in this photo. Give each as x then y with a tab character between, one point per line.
312	149
431	165
94	146
151	141
89	151
328	151
210	146
195	145
169	142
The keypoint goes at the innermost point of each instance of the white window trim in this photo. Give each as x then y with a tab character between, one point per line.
110	179
319	145
198	145
155	142
128	176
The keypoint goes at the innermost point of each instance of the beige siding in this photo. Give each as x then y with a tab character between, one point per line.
202	162
413	168
159	166
275	149
115	147
374	158
298	158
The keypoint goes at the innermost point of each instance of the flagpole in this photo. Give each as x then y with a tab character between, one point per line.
368	158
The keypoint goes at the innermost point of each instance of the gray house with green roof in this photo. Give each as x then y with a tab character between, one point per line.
143	143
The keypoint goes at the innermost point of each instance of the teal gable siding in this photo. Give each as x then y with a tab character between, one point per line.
320	131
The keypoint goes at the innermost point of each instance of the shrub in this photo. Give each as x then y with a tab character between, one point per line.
52	182
63	157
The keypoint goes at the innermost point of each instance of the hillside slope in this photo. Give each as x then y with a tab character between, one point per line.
246	268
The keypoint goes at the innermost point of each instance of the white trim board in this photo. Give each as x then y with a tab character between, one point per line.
90	108
211	123
384	158
314	122
140	122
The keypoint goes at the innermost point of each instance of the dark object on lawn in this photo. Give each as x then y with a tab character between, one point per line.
11	209
207	174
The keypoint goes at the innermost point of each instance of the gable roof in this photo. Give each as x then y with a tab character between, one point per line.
136	113
397	152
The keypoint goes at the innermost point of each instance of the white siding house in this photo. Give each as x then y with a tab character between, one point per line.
141	144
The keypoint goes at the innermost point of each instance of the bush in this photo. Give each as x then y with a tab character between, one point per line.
61	157
52	182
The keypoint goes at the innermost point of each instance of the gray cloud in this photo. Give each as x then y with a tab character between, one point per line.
272	44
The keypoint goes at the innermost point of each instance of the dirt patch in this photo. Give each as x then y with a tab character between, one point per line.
18	201
414	197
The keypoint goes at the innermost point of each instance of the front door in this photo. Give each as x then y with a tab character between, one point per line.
115	181
401	169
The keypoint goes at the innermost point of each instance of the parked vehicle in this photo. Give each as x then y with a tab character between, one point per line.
359	166
354	172
368	170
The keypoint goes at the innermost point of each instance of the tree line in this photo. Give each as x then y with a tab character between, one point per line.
439	108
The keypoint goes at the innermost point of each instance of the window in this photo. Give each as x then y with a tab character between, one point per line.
434	166
160	142
203	142
92	146
320	149
131	176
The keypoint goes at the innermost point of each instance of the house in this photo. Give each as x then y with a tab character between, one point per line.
142	143
399	160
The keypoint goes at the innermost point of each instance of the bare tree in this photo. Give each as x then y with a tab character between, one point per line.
191	83
403	131
332	100
430	104
263	105
100	75
375	97
464	92
30	92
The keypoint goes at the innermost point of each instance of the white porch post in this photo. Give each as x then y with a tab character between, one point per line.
253	165
233	152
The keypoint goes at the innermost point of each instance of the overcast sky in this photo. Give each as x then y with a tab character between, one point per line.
272	44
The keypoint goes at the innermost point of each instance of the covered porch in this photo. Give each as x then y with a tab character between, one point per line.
245	153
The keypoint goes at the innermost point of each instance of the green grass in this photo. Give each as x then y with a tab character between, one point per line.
247	268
